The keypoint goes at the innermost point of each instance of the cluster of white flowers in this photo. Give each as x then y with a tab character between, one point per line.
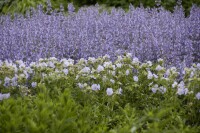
159	68
150	75
181	89
81	86
119	65
85	70
135	60
127	72
100	68
156	88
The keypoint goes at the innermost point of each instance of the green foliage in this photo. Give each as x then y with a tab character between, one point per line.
58	104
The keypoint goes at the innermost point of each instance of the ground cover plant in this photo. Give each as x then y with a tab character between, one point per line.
97	95
100	71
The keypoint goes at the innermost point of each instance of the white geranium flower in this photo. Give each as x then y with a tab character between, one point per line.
181	85
66	71
129	55
92	59
159	68
113	73
119	91
127	72
81	86
135	60
198	95
162	89
174	84
85	70
149	63
155	76
182	91
100	68
34	84
150	75
107	64
7	81
95	87
112	81
154	90
106	56
4	96
160	60
109	91
119	65
135	78
51	64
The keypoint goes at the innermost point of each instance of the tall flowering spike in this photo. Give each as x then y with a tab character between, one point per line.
179	2
158	3
70	7
49	6
61	8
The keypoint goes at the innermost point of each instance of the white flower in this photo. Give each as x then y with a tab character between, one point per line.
129	55
198	95
127	72
159	68
4	96
85	70
104	78
150	75
191	74
154	90
182	91
7	81
113	66
160	60
66	71
107	64
34	84
135	78
100	68
106	56
113	73
135	60
81	86
149	63
162	89
112	81
95	87
181	85
51	64
53	58
119	91
167	72
155	76
92	59
109	91
174	84
119	65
